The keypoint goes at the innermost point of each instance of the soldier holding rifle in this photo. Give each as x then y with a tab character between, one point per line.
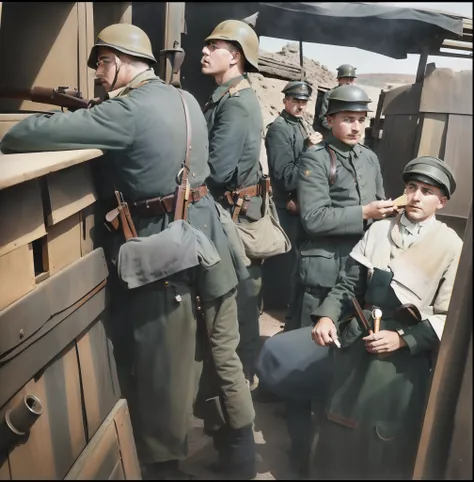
403	271
145	128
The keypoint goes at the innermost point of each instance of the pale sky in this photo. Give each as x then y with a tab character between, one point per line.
368	62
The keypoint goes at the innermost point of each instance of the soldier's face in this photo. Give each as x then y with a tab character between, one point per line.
107	63
295	107
347	126
218	57
345	80
423	200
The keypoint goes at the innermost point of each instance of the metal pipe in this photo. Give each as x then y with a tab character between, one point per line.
301	60
19	420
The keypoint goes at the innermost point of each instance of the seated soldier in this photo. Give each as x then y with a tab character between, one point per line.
404	266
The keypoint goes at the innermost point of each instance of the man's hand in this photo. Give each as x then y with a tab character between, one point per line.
384	341
324	332
378	209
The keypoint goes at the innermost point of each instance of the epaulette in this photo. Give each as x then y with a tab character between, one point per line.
317	147
365	147
234	91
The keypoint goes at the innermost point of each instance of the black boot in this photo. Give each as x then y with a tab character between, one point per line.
236	449
168	470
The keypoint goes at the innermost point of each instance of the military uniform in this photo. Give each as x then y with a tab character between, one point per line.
159	318
285	140
375	405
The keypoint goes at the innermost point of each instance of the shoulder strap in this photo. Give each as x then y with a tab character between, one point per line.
187	158
332	166
242	84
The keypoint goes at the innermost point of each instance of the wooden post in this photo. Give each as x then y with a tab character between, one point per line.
301	60
420	73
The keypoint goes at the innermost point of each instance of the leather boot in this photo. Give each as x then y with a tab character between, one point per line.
236	449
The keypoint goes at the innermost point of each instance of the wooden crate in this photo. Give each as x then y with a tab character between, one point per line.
111	454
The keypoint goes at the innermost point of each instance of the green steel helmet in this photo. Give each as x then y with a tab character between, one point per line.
433	171
241	33
298	89
126	38
346	70
348	98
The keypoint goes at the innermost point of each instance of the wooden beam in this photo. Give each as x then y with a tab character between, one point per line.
420	73
457	45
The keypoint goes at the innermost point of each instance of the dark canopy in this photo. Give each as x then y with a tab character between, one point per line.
391	31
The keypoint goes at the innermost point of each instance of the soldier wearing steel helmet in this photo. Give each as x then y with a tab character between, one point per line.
142	127
405	268
340	192
346	75
286	138
235	123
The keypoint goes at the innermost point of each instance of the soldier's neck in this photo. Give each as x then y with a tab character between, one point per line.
233	72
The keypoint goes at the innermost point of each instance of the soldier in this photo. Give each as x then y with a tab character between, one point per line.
286	138
404	266
235	123
134	127
338	186
346	75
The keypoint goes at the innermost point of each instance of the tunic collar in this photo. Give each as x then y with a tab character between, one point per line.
133	84
343	149
290	118
223	88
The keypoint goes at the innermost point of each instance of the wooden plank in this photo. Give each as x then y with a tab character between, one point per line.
57	438
447	92
22	216
459	157
98	373
455	44
128	451
118	473
17	275
447	374
64	243
402	100
4	469
70	190
96	460
396	149
433	135
85	43
87	219
18	168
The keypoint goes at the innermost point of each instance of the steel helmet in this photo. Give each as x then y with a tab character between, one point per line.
433	171
348	97
241	33
126	38
298	89
346	70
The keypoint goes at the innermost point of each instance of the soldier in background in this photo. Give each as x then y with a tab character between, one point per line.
155	326
286	138
346	75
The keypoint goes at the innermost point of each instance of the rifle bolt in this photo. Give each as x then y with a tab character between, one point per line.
178	298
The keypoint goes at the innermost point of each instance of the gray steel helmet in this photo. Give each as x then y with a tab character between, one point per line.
350	98
126	38
298	89
243	34
433	171
346	70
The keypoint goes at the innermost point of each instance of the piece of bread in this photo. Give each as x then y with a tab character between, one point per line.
401	201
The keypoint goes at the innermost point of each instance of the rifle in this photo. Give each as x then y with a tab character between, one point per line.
61	96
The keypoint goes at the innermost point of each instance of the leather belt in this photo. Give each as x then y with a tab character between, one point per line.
251	191
165	204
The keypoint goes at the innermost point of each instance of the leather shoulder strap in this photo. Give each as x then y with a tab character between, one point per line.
332	166
187	121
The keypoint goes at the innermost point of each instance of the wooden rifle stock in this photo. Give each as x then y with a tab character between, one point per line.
61	96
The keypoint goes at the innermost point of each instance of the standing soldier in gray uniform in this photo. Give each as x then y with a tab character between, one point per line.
340	191
235	122
286	139
346	74
142	130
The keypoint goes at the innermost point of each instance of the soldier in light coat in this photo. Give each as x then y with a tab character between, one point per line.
377	398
